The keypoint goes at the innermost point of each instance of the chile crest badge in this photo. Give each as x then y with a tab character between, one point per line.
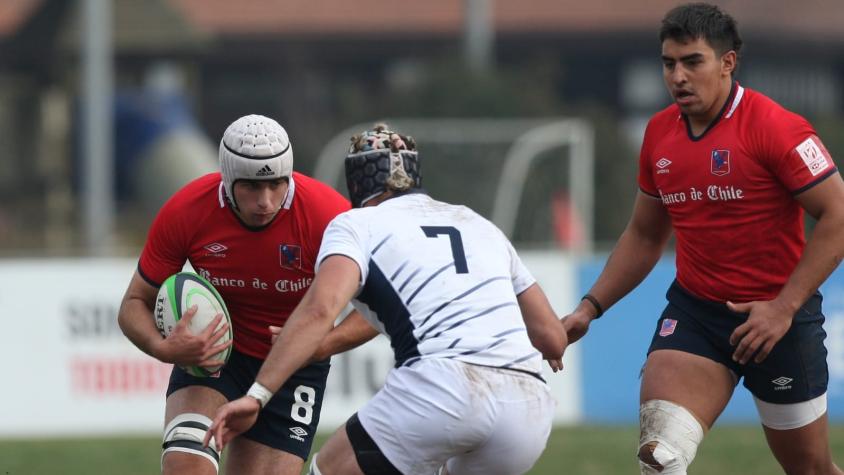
720	162
290	256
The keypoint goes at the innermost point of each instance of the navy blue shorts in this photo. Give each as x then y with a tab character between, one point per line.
795	370
289	420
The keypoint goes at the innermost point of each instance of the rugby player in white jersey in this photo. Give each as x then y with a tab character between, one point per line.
468	324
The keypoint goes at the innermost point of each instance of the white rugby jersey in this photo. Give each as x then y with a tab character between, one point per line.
438	279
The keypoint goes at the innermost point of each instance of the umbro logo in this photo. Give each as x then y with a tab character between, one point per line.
662	164
215	248
298	433
265	171
782	383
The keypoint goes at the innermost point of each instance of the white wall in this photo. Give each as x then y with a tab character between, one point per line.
69	370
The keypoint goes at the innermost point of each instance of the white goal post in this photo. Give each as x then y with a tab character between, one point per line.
526	139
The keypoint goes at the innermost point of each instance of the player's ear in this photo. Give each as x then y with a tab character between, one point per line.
729	61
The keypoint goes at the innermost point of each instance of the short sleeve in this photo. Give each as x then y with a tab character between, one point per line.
805	164
519	274
794	152
343	237
646	178
166	248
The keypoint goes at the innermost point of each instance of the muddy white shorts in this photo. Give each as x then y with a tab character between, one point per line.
478	420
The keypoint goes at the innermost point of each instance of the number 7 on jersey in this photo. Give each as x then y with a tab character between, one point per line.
460	265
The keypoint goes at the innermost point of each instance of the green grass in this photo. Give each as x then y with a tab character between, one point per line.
587	450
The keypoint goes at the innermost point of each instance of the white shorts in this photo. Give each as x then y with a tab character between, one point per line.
479	420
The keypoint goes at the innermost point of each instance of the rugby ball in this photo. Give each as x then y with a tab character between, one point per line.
177	294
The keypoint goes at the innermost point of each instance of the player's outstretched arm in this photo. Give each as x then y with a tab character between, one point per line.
334	286
352	332
544	330
635	254
769	321
232	419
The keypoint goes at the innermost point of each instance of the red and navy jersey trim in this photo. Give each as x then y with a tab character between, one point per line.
146	277
816	182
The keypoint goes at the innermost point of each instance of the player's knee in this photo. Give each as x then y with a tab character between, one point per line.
314	469
646	455
659	458
185	434
669	438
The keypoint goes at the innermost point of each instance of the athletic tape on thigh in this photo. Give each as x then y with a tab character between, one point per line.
185	433
790	416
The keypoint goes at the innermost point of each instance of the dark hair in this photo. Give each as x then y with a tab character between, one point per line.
701	20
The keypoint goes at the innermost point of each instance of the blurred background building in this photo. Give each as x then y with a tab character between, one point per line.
182	70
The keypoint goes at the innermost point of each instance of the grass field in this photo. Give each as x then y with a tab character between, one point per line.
728	450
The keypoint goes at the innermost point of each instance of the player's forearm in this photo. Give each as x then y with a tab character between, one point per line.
352	332
544	330
334	285
822	254
629	263
295	346
137	323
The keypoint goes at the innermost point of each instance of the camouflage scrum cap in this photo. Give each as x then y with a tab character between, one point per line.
381	160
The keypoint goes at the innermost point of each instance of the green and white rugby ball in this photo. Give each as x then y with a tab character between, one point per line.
177	294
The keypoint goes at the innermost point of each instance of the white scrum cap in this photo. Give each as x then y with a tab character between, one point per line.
254	147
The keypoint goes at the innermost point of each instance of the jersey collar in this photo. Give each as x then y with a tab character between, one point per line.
412	191
727	110
291	190
736	100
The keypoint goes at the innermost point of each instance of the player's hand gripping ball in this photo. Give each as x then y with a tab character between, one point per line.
176	295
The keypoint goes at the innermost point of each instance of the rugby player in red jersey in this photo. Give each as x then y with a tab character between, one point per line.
253	231
731	173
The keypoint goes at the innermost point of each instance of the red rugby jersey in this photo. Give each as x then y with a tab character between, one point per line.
730	193
260	274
